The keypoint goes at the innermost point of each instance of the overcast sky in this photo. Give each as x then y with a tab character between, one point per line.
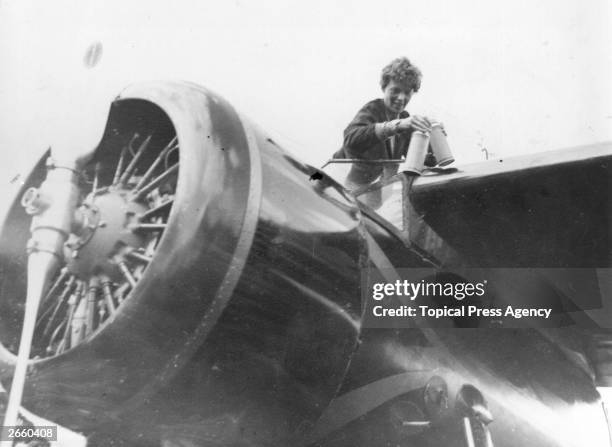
513	76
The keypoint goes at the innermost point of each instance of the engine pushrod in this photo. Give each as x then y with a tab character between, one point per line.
147	175
154	211
130	168
141	194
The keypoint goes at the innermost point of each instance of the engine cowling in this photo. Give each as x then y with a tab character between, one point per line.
194	233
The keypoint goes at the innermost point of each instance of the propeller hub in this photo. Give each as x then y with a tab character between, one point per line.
103	234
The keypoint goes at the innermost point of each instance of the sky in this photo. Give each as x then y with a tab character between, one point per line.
513	77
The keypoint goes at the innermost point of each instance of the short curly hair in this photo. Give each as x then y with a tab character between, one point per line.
402	71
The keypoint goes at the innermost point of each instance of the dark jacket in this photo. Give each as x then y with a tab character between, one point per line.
361	141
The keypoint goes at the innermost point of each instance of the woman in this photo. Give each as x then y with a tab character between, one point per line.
382	128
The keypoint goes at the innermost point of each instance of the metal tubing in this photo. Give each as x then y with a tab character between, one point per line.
56	284
153	211
96	181
120	291
360	160
72	303
61	299
156	163
148	227
56	332
141	194
130	169
127	274
139	257
119	166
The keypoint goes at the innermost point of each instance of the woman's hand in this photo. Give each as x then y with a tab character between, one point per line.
415	122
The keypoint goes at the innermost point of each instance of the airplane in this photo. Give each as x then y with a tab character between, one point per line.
188	282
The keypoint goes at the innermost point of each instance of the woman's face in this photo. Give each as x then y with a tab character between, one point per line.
396	97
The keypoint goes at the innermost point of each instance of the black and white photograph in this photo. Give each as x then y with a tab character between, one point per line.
280	223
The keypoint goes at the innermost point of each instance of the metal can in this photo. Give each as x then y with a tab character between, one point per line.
417	151
439	145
